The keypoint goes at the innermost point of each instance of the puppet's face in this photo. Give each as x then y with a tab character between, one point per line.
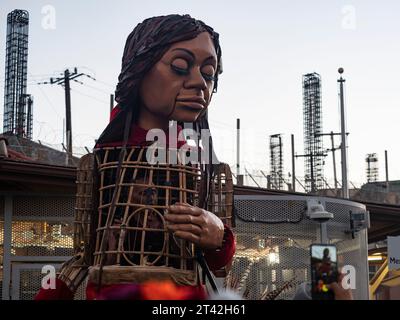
179	86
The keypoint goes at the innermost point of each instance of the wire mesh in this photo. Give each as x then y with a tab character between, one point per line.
1	206
42	238
273	236
30	280
51	206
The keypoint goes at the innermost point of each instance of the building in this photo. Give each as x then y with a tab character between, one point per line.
37	200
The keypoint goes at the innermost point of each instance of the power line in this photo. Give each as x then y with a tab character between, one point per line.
64	81
94	88
105	83
89	96
49	102
95	78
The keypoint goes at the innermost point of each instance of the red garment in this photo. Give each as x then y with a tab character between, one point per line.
137	136
61	292
219	258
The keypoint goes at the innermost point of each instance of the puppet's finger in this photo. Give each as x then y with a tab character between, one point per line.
184	209
185	235
183	219
185	227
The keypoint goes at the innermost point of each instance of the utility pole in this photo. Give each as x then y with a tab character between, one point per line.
239	177
345	186
334	161
237	147
67	111
333	149
65	80
387	171
111	102
293	166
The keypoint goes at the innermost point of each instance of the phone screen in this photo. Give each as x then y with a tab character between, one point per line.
324	270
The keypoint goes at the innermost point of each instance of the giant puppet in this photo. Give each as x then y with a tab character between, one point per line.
147	212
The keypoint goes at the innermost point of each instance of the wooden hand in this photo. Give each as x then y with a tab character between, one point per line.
194	224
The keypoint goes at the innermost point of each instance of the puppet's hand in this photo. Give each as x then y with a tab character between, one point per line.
196	225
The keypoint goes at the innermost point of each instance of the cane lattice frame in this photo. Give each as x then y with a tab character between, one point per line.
85	205
144	192
221	202
137	244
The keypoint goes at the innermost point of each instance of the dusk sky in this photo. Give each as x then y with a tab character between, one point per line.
266	47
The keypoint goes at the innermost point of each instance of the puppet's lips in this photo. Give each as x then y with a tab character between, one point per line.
191	105
197	103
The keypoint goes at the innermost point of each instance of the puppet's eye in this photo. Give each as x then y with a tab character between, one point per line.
180	66
208	72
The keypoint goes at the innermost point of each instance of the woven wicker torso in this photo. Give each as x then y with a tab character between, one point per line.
137	245
130	244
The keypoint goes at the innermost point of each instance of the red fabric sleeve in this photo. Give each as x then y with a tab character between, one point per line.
218	258
61	292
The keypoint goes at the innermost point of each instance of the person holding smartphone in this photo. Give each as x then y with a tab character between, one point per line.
303	291
326	279
338	291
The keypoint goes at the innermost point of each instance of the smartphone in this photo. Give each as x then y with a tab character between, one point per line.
324	270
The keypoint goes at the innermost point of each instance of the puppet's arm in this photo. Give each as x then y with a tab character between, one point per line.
71	275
